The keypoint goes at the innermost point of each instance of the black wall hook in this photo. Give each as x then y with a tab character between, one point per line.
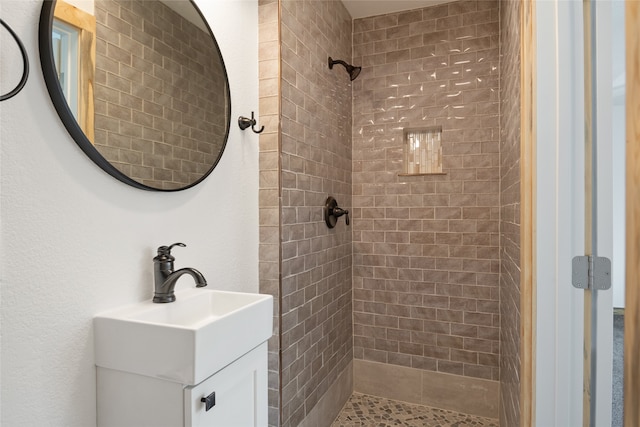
245	122
25	64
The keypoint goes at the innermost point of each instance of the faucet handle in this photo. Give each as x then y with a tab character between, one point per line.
166	250
164	253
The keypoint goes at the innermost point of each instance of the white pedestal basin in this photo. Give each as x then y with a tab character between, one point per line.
184	341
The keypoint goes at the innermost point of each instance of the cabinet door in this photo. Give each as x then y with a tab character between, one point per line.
129	400
240	394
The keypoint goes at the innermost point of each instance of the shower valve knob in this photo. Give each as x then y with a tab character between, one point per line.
332	212
338	212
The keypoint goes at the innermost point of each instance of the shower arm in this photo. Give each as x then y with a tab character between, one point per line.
351	70
332	62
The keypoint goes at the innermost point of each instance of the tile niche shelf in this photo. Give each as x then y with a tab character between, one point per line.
422	151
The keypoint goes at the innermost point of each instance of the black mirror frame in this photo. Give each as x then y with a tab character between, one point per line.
60	103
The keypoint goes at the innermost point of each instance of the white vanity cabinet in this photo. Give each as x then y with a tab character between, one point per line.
125	399
157	362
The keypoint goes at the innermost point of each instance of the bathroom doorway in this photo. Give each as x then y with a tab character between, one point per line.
561	319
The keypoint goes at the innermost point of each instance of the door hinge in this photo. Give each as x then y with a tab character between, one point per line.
591	272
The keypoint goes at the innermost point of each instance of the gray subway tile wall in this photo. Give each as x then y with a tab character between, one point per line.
426	248
510	359
315	156
269	185
425	260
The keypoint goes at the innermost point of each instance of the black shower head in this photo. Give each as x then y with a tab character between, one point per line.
353	71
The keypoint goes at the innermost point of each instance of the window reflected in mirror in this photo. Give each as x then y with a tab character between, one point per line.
65	51
74	51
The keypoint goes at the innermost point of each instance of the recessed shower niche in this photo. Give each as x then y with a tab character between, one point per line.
422	151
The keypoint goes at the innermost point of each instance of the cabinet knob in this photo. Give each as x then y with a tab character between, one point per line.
209	401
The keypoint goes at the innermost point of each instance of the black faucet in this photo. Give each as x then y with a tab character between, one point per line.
165	278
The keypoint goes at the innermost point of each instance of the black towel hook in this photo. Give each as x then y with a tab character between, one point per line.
25	64
245	122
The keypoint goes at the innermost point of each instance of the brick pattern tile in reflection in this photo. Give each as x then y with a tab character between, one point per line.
160	98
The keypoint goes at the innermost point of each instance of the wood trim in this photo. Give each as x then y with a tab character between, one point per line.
527	212
86	23
74	16
632	303
589	295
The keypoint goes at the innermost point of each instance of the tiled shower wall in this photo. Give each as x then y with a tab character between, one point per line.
426	248
269	192
510	214
159	101
316	324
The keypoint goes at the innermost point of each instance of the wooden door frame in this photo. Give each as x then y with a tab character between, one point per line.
632	298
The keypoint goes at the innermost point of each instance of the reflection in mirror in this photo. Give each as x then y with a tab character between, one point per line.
73	42
65	51
144	82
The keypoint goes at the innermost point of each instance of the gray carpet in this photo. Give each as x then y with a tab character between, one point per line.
618	369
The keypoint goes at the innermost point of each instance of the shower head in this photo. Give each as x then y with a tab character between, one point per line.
353	71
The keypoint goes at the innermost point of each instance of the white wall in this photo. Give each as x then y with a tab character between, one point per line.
559	214
618	147
75	241
86	5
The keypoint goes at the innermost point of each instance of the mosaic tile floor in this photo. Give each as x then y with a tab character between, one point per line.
362	410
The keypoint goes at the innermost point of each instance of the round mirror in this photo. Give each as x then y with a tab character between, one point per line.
140	85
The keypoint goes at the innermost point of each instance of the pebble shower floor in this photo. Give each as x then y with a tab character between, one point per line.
362	410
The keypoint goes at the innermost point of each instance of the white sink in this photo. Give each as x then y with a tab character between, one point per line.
184	341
